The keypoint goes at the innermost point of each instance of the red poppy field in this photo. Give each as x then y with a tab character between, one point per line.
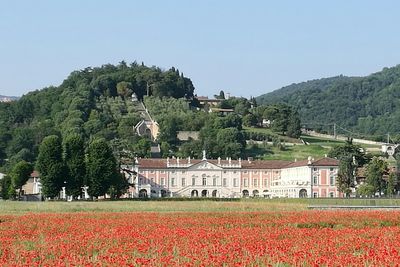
285	238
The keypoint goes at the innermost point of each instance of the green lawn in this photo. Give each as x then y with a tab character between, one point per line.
261	204
297	151
270	132
321	141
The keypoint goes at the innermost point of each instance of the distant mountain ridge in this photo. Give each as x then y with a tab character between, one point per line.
367	105
4	98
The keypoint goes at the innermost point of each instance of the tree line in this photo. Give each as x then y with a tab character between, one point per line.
377	178
69	164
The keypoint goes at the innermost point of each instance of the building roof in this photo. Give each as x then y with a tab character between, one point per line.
319	163
265	164
325	162
245	164
35	174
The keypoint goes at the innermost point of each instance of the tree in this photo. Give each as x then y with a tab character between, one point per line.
124	89
374	174
221	95
350	150
391	185
294	127
75	164
250	120
101	167
345	179
20	175
366	190
6	187
351	157
119	186
230	142
142	148
51	166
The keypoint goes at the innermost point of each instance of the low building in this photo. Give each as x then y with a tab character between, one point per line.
204	100
236	178
187	135
33	185
222	111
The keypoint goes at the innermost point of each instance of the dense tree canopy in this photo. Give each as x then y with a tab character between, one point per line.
366	105
92	103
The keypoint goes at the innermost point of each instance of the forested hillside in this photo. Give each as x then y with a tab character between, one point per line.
368	105
94	102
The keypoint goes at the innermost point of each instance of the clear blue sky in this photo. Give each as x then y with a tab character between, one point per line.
243	47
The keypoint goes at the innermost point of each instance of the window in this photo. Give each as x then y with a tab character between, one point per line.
235	182
224	182
224	171
315	180
183	182
255	182
204	180
235	172
193	181
152	171
331	169
140	180
255	172
315	195
162	181
214	181
265	182
162	171
331	194
245	172
245	183
183	172
315	169
152	181
332	180
172	181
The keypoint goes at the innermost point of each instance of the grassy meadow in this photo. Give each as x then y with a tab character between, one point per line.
283	204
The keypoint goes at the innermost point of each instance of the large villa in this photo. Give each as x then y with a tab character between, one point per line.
235	178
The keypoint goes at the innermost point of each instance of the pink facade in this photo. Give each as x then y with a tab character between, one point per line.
236	178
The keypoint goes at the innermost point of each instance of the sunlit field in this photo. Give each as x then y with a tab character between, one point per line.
197	233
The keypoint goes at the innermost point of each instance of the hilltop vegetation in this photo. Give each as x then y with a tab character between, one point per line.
367	105
92	103
95	103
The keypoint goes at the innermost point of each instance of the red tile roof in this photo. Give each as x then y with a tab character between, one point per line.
319	162
254	164
264	164
35	174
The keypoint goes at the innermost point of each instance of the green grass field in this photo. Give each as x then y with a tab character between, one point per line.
289	153
13	207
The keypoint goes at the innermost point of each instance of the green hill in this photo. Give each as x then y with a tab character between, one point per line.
368	105
93	102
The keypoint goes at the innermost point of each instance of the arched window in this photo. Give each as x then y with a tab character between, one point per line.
204	193
303	193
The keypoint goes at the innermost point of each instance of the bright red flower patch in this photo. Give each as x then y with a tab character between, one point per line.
307	238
